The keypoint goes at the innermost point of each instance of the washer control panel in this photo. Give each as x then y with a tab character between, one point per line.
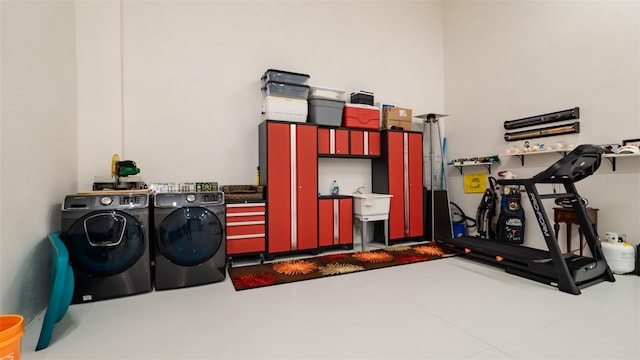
105	202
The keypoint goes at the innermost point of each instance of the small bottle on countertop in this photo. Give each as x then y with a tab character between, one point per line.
335	188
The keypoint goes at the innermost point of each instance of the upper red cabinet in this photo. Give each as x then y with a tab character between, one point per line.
364	142
342	142
333	141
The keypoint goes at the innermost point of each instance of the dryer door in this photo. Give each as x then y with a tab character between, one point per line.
189	236
105	243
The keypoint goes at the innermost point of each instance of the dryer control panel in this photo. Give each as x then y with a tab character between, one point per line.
206	198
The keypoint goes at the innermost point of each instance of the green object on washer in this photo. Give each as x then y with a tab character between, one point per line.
126	168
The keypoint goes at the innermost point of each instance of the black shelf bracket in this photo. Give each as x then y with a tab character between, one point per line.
613	163
488	166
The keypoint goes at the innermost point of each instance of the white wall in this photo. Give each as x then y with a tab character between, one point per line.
506	60
191	77
37	144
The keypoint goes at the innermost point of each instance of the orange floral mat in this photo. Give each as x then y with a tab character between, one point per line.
282	272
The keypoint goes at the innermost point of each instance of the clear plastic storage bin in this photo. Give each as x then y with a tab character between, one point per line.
285	77
294	91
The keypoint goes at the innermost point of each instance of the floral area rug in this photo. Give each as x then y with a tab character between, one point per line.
281	272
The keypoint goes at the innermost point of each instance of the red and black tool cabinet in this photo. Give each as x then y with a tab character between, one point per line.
288	162
245	223
399	172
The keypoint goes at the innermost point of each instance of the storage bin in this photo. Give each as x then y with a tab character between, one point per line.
362	97
360	116
325	112
284	109
317	92
285	77
272	88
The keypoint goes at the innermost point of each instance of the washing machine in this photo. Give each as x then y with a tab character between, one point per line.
108	241
189	238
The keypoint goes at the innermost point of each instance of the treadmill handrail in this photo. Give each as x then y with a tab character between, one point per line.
583	161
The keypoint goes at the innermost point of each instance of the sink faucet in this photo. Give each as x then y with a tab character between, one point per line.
359	190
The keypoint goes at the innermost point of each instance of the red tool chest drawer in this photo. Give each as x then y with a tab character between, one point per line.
245	228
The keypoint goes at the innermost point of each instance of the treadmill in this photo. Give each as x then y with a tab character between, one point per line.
568	272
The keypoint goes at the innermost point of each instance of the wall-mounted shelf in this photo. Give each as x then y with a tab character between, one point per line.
539	152
485	164
612	158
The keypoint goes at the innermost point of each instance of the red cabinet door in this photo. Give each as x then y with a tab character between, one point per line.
324	141
306	188
345	218
395	154
335	222
325	222
279	193
374	143
415	178
341	141
357	142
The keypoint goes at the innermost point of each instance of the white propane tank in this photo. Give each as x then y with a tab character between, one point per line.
621	256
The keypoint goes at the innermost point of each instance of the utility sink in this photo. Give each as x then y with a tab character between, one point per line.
371	206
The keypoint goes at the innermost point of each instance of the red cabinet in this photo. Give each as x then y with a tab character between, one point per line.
245	224
335	221
399	173
289	170
348	142
333	141
365	142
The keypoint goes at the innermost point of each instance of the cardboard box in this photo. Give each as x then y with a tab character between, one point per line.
398	117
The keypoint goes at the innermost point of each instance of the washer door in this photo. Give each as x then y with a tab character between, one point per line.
190	236
105	243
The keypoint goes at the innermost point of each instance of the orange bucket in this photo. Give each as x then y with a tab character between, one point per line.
11	330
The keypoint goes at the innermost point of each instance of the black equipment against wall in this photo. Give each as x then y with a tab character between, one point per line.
443	228
460	219
487	210
511	219
563	115
568	272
